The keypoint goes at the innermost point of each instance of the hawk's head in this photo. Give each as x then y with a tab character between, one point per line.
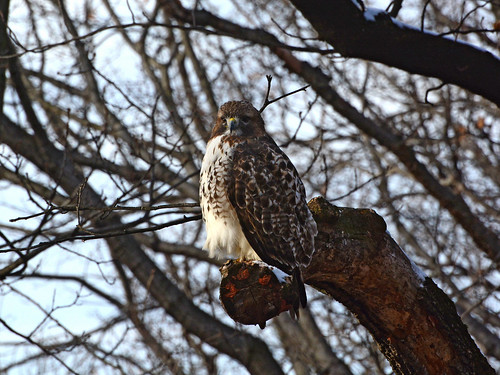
238	119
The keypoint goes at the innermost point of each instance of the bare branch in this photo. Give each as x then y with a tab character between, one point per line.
268	102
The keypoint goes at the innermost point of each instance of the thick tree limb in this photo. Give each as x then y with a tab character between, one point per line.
414	323
375	36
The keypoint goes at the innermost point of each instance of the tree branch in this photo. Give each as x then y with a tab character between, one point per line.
268	102
4	47
373	35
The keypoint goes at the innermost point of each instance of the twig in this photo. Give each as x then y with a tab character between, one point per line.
65	209
43	348
357	187
432	89
422	16
35	250
267	101
394	8
204	30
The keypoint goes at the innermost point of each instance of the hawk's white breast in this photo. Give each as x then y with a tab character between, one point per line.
224	233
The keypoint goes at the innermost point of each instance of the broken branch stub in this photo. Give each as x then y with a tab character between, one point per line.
251	292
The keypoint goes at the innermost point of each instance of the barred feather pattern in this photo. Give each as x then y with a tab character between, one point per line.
270	201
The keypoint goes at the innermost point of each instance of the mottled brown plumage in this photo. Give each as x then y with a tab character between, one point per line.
253	201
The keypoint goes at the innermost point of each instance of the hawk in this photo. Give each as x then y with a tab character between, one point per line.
252	199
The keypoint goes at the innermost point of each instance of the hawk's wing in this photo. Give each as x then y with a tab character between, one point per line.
269	199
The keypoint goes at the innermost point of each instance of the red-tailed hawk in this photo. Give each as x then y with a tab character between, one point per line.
252	199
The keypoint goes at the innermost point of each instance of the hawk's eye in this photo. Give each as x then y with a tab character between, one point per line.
245	119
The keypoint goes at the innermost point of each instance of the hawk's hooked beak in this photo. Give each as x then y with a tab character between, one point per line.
232	123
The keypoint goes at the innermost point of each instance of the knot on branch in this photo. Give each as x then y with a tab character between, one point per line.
351	222
252	292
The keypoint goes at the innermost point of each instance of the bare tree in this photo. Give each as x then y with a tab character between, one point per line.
106	110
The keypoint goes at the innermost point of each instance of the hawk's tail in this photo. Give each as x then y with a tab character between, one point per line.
297	276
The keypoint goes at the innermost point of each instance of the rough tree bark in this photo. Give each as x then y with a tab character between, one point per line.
414	323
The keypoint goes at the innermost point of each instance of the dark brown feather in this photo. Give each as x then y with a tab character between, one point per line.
269	199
